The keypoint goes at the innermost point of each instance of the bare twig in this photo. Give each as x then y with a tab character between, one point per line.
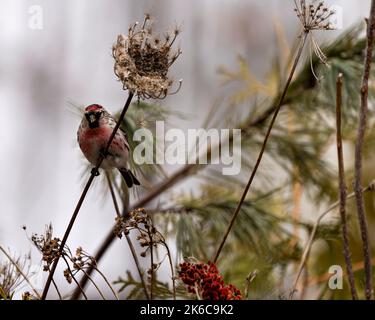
132	249
342	188
94	173
94	283
150	235
172	270
260	156
304	283
358	153
107	282
307	249
57	289
249	279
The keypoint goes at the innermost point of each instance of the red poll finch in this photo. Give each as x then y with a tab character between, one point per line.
93	135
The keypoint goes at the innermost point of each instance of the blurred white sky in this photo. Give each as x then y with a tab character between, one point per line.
69	60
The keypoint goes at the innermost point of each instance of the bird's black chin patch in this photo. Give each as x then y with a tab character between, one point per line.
93	119
94	124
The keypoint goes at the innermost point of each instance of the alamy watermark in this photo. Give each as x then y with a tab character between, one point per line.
35	17
336	279
198	146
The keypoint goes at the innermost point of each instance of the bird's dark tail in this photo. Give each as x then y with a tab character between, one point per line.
129	178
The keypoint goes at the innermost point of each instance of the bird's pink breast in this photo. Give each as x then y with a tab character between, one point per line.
93	140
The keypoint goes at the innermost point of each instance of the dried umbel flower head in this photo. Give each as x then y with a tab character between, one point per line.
314	15
80	261
47	245
139	220
142	61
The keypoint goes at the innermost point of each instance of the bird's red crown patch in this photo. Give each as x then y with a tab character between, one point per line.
93	107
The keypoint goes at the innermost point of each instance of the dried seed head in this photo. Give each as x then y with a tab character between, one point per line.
79	252
68	276
142	61
48	246
120	227
314	16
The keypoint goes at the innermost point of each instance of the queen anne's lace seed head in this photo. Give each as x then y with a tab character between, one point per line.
315	15
142	61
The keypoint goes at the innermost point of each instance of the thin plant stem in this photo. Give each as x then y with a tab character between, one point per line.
20	271
307	249
151	262
94	173
57	289
249	279
197	291
55	286
107	282
132	249
73	277
305	283
172	270
361	211
259	159
342	189
95	285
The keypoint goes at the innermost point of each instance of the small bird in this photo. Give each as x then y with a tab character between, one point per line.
93	135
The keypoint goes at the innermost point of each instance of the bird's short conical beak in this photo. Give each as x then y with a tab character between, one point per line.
92	118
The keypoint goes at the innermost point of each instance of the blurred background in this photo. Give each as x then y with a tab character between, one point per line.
68	61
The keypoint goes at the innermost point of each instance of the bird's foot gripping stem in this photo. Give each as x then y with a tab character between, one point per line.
95	172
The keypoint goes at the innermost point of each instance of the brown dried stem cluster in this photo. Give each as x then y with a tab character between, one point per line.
47	245
148	238
80	261
142	61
